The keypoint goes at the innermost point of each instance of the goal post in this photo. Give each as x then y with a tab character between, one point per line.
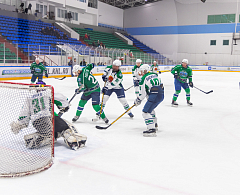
26	129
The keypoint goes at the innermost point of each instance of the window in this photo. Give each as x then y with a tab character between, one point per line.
37	7
213	42
41	9
76	16
225	42
224	18
45	10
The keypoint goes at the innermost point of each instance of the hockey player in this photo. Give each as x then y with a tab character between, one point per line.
37	70
154	68
37	110
181	73
151	88
91	90
136	76
113	78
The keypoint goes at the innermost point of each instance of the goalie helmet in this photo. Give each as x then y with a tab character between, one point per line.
185	61
117	63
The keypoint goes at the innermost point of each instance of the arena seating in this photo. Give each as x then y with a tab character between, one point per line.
26	33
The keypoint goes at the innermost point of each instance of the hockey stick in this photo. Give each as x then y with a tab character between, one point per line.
128	88
203	91
98	127
101	106
60	78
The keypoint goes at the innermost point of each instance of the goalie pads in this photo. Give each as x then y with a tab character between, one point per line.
16	126
73	138
36	140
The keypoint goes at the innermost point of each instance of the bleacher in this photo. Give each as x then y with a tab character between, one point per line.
27	34
9	56
108	39
140	45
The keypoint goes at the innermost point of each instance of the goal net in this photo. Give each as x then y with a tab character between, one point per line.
26	129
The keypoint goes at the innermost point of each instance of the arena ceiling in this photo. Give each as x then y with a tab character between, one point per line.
124	4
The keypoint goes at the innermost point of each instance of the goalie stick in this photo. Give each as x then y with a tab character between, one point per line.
98	127
203	91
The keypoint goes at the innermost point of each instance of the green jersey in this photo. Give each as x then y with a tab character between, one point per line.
135	72
183	73
114	78
148	81
87	81
38	68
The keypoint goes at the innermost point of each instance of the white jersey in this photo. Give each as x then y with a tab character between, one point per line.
117	78
154	69
60	100
135	73
36	106
148	81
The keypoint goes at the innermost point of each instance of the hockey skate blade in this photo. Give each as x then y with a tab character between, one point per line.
95	119
175	106
149	135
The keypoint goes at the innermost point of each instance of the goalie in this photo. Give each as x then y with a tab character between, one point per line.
37	110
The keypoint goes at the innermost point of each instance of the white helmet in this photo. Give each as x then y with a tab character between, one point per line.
185	61
36	59
154	62
117	63
138	61
145	67
76	68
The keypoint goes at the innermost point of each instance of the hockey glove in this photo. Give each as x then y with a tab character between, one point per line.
136	83
78	90
104	78
32	71
176	75
137	102
46	74
159	72
63	109
191	84
104	89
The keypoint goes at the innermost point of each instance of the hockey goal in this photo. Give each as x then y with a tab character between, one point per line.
26	130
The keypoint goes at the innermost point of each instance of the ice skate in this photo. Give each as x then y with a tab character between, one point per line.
174	103
130	114
75	118
189	103
150	133
106	120
156	126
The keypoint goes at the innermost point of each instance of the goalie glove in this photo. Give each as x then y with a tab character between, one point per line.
16	127
137	102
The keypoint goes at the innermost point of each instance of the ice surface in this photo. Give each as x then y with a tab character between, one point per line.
196	151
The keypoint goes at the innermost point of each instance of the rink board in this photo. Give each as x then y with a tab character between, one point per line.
23	72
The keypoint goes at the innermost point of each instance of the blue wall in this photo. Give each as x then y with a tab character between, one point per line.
188	29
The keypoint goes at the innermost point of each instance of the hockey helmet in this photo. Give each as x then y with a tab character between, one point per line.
117	63
185	61
138	61
76	68
145	67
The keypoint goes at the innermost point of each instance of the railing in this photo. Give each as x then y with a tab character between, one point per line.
61	54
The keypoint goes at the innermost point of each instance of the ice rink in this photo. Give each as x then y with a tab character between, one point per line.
196	151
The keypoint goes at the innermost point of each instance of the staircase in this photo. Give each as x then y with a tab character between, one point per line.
13	49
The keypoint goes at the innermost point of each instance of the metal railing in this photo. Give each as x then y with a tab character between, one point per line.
61	54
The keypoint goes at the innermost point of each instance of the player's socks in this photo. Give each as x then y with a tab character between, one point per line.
75	118
189	103
150	133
